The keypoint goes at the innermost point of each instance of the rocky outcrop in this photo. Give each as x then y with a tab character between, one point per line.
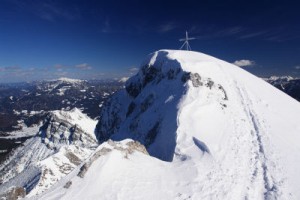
14	193
57	131
129	148
147	108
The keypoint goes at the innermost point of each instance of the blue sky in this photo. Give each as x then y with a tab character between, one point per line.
47	39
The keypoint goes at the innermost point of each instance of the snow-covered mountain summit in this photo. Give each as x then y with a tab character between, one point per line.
211	129
188	107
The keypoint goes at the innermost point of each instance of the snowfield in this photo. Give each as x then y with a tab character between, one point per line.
213	131
236	135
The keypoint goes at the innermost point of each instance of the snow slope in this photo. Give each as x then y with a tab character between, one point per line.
214	130
190	107
60	145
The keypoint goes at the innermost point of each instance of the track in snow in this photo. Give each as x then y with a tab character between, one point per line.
259	144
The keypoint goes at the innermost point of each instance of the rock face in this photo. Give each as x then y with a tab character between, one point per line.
230	126
126	147
64	140
147	108
14	194
222	130
59	129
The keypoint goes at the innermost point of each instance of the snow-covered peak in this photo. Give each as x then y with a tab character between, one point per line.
280	78
70	80
76	117
123	79
67	127
224	133
188	107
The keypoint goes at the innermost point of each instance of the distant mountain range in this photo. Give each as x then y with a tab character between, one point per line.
26	104
287	84
192	126
186	126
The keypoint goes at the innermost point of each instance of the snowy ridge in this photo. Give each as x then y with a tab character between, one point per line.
69	80
212	131
226	123
61	85
62	143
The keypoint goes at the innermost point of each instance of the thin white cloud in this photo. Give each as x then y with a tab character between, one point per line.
48	10
13	68
253	35
133	69
244	63
167	27
60	67
83	66
231	31
297	67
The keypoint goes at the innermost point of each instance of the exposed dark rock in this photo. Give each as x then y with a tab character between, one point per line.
209	83
147	102
73	158
131	108
108	125
159	70
87	165
186	76
134	124
196	79
14	193
83	170
151	73
60	131
151	135
68	184
224	92
136	146
134	89
172	74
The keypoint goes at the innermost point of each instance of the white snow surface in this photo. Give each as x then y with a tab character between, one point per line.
123	79
241	142
70	80
25	132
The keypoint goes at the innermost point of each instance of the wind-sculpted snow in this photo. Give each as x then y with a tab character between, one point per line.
213	120
212	131
142	112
